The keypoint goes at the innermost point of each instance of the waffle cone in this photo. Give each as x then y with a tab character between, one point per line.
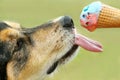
109	17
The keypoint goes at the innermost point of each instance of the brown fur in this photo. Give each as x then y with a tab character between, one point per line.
33	52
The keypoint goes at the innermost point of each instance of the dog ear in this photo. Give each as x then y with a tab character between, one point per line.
13	25
8	38
9	34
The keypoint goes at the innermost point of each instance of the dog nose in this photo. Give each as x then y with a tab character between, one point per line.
68	22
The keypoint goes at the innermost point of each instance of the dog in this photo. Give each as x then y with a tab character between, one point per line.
34	53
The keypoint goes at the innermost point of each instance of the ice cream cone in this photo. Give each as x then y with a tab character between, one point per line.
99	15
109	17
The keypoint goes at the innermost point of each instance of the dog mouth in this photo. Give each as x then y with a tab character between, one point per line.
62	59
79	40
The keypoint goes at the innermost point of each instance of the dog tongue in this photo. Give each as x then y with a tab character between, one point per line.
87	43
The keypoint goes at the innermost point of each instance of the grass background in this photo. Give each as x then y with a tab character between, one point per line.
87	65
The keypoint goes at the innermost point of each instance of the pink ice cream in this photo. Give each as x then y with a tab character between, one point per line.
89	15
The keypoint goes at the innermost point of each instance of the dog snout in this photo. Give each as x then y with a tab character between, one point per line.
67	22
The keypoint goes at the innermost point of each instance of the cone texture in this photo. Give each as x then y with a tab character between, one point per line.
109	17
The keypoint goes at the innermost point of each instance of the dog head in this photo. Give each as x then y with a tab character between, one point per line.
33	53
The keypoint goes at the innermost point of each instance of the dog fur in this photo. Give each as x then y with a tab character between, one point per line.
34	53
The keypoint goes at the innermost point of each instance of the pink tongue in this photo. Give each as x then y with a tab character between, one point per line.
88	44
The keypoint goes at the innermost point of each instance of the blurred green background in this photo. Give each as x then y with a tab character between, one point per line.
87	65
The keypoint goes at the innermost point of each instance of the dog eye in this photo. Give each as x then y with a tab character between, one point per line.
19	44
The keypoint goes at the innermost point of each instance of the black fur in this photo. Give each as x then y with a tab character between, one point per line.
5	56
16	52
3	26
